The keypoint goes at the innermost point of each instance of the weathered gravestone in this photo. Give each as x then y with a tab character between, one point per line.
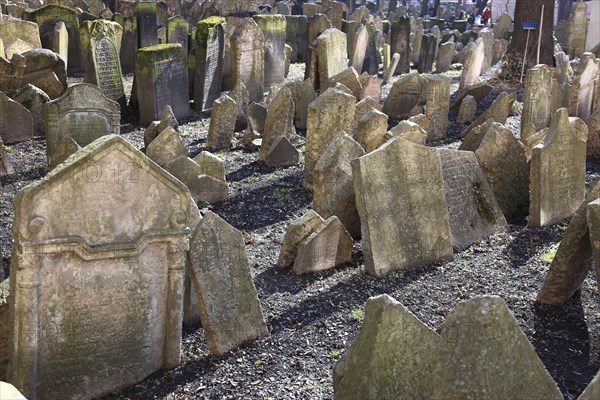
581	95
372	54
209	59
82	113
333	189
222	123
46	70
177	31
558	171
406	94
484	354
473	64
238	8
445	54
408	130
100	44
6	168
487	35
16	122
393	356
303	94
118	319
34	99
17	46
247	57
161	79
147	24
297	231
331	112
437	98
296	36
498	111
502	25
228	302
400	43
279	127
334	11
467	110
571	34
537	98
60	41
331	54
473	211
428	52
402	227
12	28
573	259
129	42
11	73
371	129
166	147
273	28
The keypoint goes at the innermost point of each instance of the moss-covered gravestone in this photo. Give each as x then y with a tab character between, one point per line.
209	62
273	28
100	44
84	114
97	274
161	79
177	31
147	23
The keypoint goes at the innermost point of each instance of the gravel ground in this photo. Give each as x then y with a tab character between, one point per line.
314	318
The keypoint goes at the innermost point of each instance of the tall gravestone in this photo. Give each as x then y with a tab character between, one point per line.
60	41
100	43
129	42
331	54
273	28
247	58
147	24
118	318
209	62
84	114
400	43
402	226
177	31
296	36
571	34
428	53
472	65
558	171
161	80
437	97
537	98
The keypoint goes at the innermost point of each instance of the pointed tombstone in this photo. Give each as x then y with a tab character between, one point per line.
364	106
371	129
349	78
16	122
34	99
129	42
358	47
60	41
273	28
279	122
257	115
333	189
65	149
136	241
473	212
248	52
406	94
573	259
371	87
328	246
487	35
479	91
482	335
584	85
161	79
472	66
100	44
502	25
222	123
84	113
241	96
437	97
445	54
499	48
211	165
166	147
408	130
499	111
209	42
558	171
402	227
282	153
468	108
229	308
212	190
332	54
537	98
394	355
593	143
188	172
303	94
17	46
297	231
400	43
331	112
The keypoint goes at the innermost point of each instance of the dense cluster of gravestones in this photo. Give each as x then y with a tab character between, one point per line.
374	179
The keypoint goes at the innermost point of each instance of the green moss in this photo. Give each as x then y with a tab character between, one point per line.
145	6
158	51
204	26
271	23
483	207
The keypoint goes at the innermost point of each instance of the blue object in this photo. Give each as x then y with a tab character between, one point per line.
529	25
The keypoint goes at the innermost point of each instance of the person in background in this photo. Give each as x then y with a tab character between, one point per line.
487	14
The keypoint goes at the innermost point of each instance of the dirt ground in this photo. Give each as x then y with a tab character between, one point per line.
314	318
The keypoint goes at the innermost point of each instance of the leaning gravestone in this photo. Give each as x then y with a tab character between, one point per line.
247	57
473	211
11	73
573	259
60	41
394	355
16	122
406	94
333	189
6	168
472	65
228	302
537	98
331	52
118	319
222	123
401	226
84	114
177	31
129	42
558	171
428	53
100	44
437	99
297	231
273	28
279	123
331	112
485	355
209	59
161	79
34	99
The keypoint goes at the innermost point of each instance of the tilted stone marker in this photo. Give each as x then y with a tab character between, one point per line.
6	168
177	31
161	79
229	308
573	259
166	147
210	42
473	211
558	171
331	51
273	28
279	125
303	94
537	99
499	111
147	24
473	64
297	231
16	122
402	228
408	130
248	53
400	43
485	355
34	99
101	43
84	114
331	112
371	129
468	108
428	52
333	188
77	334
406	94
222	123
437	97
393	356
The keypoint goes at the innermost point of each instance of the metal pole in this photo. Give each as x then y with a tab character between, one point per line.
540	35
